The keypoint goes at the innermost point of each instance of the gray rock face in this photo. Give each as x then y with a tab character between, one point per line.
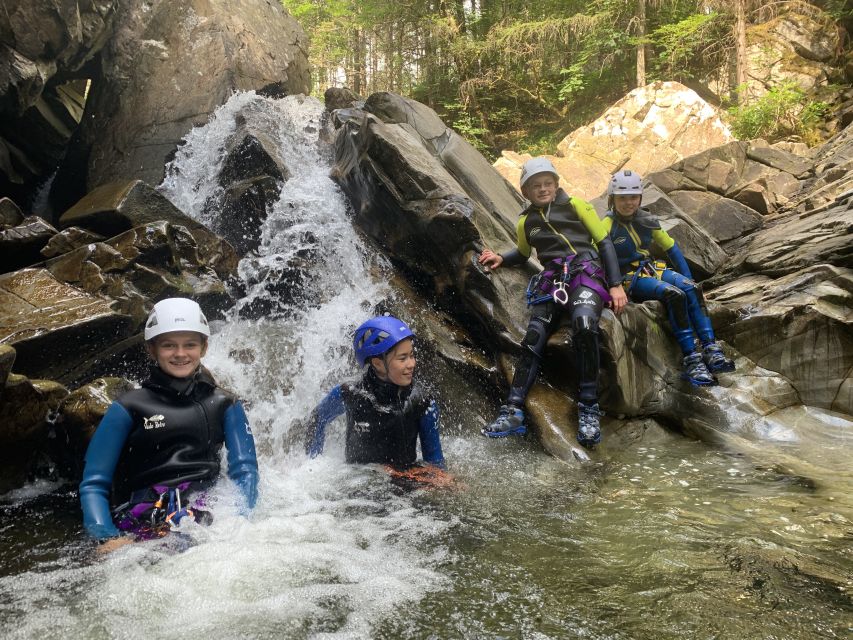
406	198
166	68
798	325
150	262
43	45
796	46
722	218
10	214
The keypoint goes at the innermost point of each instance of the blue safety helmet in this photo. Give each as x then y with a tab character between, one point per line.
377	336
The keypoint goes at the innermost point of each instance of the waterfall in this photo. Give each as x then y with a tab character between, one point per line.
330	549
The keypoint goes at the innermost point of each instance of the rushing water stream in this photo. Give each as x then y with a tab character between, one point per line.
667	539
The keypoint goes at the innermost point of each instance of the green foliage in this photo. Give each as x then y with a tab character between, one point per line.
498	71
466	126
783	111
679	43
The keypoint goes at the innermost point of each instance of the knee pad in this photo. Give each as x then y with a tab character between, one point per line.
536	337
676	303
584	321
585	338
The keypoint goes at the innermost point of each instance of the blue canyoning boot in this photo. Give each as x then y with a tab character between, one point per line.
696	372
510	422
715	359
589	429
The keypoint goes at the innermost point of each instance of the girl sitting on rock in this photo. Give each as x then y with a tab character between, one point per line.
571	243
633	231
386	413
165	438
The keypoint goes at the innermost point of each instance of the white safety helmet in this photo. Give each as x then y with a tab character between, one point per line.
625	183
537	165
175	314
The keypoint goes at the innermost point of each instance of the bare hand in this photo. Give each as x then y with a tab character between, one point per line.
490	259
618	299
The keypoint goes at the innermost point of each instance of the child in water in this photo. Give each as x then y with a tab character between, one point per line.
387	413
572	244
167	435
633	231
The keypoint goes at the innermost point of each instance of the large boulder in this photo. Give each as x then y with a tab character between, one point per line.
120	206
150	262
27	411
798	325
400	176
650	129
799	45
54	327
166	68
723	219
251	178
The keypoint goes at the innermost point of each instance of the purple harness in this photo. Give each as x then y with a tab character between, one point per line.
562	276
151	519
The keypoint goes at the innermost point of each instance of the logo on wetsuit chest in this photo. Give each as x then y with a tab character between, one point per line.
154	422
361	427
534	231
620	240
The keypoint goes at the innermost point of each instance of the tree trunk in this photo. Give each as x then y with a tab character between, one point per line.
740	50
641	47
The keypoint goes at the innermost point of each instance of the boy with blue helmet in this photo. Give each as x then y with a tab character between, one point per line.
634	231
579	278
161	443
386	412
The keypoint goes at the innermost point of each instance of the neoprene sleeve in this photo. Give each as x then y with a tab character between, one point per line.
329	408
428	434
513	257
611	263
242	459
101	459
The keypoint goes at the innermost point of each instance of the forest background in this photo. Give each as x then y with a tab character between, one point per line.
522	74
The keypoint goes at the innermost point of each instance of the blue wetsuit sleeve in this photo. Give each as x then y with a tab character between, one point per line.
102	456
242	459
329	408
428	434
677	259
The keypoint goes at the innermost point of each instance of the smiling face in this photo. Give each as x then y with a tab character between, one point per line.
626	206
541	189
178	353
398	365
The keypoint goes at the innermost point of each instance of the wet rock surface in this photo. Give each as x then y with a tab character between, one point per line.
430	221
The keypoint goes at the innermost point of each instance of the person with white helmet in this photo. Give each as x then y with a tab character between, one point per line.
387	412
635	231
157	448
580	276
